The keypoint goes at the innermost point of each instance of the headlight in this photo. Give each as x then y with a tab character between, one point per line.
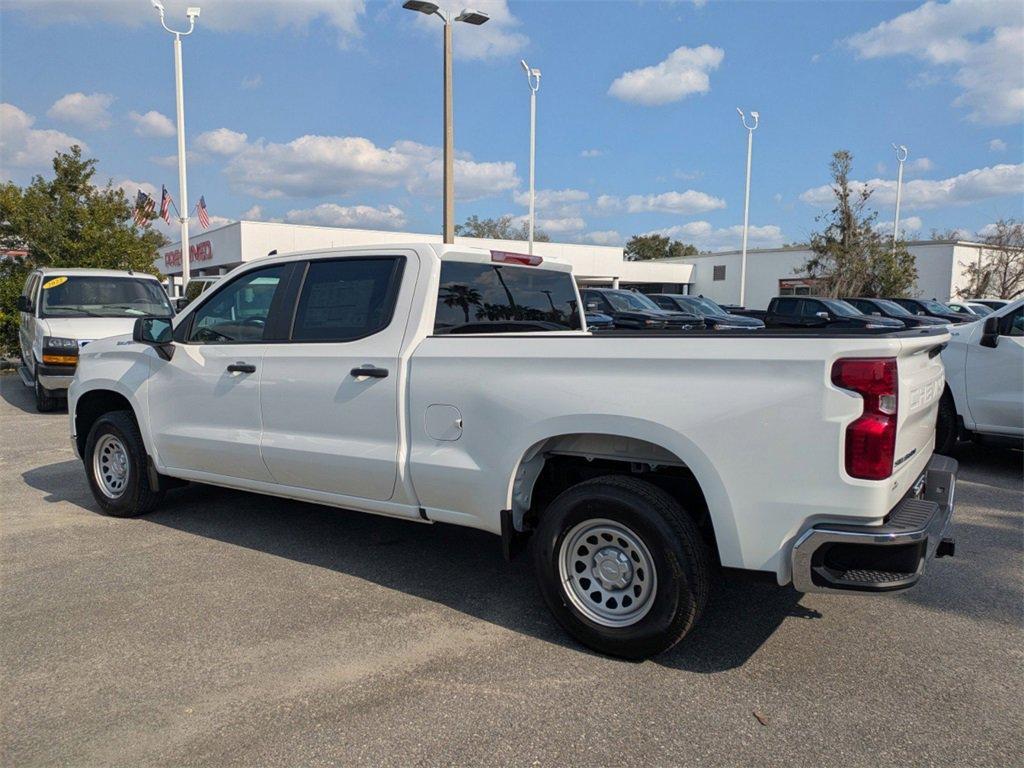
653	323
60	351
876	325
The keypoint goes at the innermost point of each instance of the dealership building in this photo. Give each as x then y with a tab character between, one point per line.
220	250
941	264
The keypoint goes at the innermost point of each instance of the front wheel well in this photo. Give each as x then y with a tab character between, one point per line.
91	406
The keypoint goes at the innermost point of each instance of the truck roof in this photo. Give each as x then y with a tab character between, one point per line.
85	272
444	252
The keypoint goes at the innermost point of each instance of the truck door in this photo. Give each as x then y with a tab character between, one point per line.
995	378
330	396
204	402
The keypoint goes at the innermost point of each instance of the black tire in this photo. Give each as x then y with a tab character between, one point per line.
137	496
45	400
679	556
947	426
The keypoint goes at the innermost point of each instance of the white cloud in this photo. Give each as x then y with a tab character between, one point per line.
171	161
969	187
22	146
592	153
707	238
556	203
87	110
988	68
561	226
997	145
909	224
498	38
686	71
255	213
689	202
131	188
252	82
222	141
153	124
333	215
604	237
224	15
920	165
312	166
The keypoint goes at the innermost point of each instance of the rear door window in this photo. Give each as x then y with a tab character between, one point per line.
786	306
493	298
347	299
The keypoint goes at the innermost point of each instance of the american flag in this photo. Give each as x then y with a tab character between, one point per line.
204	215
165	204
144	207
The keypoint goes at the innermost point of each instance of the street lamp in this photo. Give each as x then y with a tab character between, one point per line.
746	202
901	156
533	80
192	14
469	16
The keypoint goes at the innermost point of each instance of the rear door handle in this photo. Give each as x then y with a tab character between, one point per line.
371	371
241	367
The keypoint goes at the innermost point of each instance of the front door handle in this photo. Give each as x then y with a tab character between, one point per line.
241	367
369	370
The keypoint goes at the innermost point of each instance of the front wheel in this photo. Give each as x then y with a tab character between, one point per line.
622	566
115	463
946	426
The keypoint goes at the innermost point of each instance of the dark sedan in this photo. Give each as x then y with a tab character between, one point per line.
714	316
634	310
890	309
932	308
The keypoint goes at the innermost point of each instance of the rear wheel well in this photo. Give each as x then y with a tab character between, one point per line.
91	406
560	472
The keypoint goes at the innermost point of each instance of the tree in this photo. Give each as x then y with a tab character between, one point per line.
850	257
66	221
501	228
999	270
651	247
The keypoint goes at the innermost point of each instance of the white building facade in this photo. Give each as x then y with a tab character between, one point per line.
941	266
220	250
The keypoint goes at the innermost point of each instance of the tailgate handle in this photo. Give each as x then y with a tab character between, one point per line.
936	350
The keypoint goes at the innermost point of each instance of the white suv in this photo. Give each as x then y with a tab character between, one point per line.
62	310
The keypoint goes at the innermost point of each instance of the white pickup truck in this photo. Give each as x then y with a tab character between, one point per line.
458	385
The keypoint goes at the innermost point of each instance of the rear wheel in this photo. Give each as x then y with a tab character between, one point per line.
947	428
115	463
623	568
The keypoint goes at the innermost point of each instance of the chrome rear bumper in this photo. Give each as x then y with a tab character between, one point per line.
833	557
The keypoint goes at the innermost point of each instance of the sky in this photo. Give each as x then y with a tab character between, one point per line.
329	111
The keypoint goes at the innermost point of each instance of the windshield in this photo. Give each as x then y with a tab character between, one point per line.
934	306
625	301
980	309
893	308
842	308
100	296
704	306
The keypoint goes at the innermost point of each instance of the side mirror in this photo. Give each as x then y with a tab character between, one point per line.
990	333
592	306
180	303
823	315
154	332
24	304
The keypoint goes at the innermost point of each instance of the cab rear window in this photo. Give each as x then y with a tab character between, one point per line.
501	298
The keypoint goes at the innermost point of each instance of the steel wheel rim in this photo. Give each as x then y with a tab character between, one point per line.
607	572
111	466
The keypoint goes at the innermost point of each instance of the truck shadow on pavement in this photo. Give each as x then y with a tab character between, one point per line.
457	567
463	568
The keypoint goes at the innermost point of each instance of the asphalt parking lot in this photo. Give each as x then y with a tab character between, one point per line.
233	629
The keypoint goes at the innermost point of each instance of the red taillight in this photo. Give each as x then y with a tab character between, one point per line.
871	439
506	257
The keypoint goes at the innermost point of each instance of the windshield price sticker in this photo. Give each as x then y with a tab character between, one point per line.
54	283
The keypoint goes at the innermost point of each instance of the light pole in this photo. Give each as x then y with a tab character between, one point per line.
901	157
469	16
192	14
746	202
533	80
